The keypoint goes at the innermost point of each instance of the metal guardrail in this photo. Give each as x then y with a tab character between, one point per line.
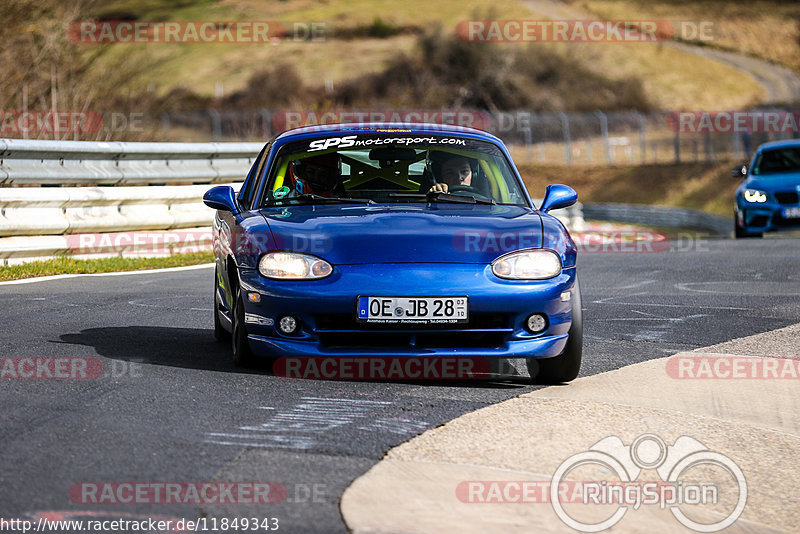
38	222
39	162
661	216
70	210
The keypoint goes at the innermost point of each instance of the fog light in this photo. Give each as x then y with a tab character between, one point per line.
287	324
536	323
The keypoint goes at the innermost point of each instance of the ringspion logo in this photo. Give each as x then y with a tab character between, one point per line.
685	469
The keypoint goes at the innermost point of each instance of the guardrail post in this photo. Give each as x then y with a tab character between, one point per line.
708	147
567	141
216	124
676	141
525	120
604	132
642	137
266	120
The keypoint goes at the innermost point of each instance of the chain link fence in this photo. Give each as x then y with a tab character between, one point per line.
556	138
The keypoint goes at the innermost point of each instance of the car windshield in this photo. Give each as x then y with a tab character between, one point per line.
373	168
778	161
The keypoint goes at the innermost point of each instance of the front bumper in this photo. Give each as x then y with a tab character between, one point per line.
766	217
326	310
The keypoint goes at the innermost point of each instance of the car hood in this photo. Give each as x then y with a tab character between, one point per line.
407	233
774	182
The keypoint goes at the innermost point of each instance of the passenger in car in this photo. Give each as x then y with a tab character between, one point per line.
317	175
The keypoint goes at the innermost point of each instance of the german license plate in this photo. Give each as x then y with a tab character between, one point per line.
791	213
413	310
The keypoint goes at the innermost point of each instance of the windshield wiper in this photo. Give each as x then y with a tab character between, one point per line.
441	196
314	198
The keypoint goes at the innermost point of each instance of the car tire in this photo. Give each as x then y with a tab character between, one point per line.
220	334
242	354
565	366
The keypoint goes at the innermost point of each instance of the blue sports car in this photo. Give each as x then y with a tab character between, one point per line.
395	240
768	197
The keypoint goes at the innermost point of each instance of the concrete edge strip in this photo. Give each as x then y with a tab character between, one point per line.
543	395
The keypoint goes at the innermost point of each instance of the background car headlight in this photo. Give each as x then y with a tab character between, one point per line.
293	266
527	265
754	195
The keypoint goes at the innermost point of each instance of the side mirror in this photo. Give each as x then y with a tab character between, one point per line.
738	172
558	196
222	198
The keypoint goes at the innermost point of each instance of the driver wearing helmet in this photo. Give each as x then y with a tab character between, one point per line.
449	170
318	175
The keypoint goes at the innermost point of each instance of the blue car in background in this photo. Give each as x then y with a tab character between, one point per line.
768	198
395	240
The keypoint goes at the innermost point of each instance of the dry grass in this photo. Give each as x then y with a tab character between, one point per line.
768	30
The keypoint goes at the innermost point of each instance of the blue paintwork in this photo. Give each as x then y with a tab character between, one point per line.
222	198
558	196
762	217
413	249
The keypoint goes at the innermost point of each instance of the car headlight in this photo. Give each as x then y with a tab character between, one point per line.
754	195
293	266
527	265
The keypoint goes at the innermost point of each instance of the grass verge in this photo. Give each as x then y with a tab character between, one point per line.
68	265
766	29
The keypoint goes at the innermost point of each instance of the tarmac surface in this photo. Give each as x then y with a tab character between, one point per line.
169	406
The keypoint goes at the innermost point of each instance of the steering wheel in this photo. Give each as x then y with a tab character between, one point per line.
466	189
460	189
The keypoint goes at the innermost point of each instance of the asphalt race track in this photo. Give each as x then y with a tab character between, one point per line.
170	406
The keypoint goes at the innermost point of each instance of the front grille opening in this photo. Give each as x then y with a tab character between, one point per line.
460	340
787	197
427	340
778	220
